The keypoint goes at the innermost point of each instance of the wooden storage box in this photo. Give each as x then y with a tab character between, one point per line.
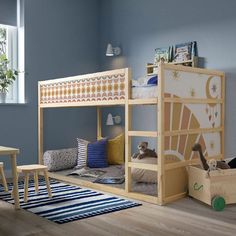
217	189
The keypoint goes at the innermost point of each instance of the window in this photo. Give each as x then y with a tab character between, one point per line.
8	46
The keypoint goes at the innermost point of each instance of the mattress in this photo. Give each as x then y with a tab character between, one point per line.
116	171
144	92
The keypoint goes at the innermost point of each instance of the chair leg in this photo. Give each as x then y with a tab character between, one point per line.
4	182
47	183
12	191
26	187
36	182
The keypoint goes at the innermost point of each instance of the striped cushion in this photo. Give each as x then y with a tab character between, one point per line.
82	153
97	154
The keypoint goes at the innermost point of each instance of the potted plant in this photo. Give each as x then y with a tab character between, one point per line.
7	77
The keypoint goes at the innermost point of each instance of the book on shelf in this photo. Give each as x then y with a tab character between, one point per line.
162	55
184	52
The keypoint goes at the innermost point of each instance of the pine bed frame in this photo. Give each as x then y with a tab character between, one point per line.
183	93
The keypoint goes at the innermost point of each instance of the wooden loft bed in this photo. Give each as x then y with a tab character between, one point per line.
190	108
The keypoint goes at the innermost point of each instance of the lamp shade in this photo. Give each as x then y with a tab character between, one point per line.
109	120
109	51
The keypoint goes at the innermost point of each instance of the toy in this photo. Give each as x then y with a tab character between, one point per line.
212	166
232	163
220	164
144	151
216	190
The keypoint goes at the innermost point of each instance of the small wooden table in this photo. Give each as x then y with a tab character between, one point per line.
12	152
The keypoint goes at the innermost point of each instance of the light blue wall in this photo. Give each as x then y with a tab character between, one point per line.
66	38
8	12
61	39
141	26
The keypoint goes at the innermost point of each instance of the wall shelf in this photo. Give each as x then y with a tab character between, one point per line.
150	66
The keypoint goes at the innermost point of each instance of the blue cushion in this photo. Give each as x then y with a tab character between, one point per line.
97	154
152	80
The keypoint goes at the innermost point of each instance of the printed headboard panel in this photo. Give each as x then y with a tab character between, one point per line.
180	146
191	116
192	85
104	86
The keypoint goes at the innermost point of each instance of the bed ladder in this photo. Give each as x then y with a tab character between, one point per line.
158	102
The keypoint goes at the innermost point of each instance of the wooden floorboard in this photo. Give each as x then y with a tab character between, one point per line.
184	217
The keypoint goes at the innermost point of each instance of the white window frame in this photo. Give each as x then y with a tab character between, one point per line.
16	55
12	56
21	51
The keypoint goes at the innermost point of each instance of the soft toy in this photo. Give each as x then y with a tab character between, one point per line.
144	151
219	164
212	166
232	163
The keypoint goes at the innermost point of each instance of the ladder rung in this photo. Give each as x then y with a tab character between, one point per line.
143	166
143	133
193	131
147	101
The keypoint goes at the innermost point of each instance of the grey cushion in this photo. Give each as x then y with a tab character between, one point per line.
60	159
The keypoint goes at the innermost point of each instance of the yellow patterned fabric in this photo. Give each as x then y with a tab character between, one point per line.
115	150
98	88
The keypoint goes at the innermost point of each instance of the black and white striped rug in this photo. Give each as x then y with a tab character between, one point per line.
68	203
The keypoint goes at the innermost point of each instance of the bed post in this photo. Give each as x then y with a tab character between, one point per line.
160	136
40	129
99	123
128	118
223	116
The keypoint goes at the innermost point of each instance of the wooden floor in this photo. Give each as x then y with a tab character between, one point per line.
184	217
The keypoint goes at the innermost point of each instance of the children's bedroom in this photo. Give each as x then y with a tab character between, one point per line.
117	117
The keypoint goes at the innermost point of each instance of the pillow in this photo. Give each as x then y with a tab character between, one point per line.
82	153
115	150
60	159
97	154
144	176
149	176
152	80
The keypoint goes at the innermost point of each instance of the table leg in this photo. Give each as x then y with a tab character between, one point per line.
15	181
47	183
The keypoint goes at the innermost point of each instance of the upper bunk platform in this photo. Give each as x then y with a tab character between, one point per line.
179	84
98	89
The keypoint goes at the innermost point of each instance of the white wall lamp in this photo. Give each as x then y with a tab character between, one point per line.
111	120
112	51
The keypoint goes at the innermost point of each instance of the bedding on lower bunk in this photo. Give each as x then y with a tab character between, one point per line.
64	161
115	171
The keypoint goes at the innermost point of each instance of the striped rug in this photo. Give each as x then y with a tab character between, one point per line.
68	203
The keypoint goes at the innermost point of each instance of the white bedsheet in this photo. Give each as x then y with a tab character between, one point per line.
144	92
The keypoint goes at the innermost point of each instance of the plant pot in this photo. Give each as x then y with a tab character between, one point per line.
3	96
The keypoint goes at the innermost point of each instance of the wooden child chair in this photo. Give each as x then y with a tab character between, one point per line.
4	182
35	169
